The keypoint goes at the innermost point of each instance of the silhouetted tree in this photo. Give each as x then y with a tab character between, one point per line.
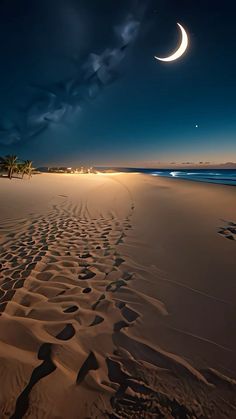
10	164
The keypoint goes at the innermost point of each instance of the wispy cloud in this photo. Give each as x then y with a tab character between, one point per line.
52	103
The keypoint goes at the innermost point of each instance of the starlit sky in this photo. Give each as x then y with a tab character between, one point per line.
80	85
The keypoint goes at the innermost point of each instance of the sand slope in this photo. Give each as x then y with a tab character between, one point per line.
117	298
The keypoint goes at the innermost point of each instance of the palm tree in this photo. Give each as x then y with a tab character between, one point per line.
22	169
1	163
10	164
27	167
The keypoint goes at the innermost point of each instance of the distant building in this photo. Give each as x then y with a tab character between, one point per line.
81	170
60	169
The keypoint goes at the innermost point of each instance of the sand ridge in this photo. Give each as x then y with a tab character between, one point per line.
69	347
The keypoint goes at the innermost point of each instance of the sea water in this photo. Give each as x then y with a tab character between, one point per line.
221	176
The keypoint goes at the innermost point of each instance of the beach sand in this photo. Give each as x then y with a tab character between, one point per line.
117	298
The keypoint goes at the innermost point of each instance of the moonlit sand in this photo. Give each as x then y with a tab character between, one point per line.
117	298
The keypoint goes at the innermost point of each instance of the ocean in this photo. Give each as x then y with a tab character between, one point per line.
220	176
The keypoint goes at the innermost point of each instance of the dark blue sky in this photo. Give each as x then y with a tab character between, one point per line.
79	83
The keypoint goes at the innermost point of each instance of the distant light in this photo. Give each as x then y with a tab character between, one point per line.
196	126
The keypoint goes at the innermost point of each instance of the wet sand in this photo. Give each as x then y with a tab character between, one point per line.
117	298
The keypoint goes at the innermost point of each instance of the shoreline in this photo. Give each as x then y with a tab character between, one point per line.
148	172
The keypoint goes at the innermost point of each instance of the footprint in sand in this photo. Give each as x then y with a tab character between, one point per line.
87	290
96	321
71	309
44	369
90	363
87	274
67	333
228	231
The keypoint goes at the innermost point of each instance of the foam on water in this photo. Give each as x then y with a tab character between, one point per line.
220	176
223	176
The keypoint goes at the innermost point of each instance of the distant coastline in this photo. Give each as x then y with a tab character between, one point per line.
223	176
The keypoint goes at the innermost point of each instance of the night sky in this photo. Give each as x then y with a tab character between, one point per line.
79	83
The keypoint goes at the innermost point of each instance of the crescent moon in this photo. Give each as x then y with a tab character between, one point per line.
181	50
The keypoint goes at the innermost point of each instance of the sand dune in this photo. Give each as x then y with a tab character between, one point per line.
117	298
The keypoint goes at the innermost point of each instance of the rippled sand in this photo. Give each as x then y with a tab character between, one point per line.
117	298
